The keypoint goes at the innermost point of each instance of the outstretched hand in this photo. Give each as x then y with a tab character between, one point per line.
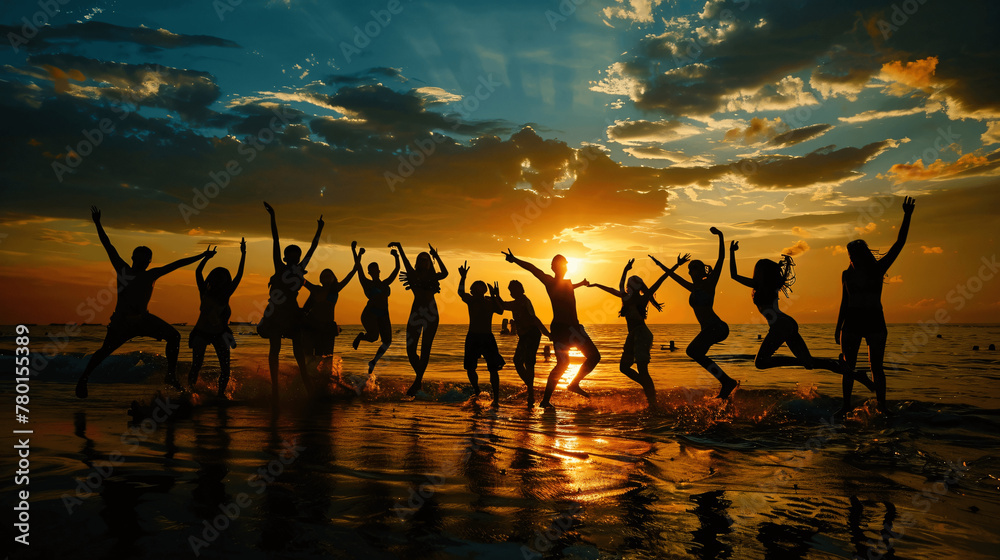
681	259
658	263
269	209
464	269
243	245
715	230
434	251
908	205
509	255
95	214
210	252
320	222
394	253
394	244
734	246
628	265
585	282
494	289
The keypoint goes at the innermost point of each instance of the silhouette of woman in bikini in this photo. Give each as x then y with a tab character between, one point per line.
861	314
769	280
424	282
375	315
213	319
714	330
283	317
636	297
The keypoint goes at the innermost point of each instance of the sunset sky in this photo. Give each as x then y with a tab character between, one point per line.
600	130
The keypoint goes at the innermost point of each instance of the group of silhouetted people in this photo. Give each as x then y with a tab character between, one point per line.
312	328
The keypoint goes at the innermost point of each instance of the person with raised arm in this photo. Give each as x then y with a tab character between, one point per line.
636	297
283	317
320	316
480	341
529	335
213	318
861	314
566	329
714	330
424	282
375	315
131	317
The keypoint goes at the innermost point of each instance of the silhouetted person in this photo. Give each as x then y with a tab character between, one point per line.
213	318
769	280
529	335
131	317
479	341
283	318
424	282
375	315
504	328
714	330
321	329
861	314
566	329
636	297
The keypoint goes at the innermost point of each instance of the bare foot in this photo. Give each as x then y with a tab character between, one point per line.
81	389
546	405
171	380
727	388
575	388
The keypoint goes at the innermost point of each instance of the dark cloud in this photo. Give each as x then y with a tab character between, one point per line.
188	92
66	36
370	76
825	165
798	135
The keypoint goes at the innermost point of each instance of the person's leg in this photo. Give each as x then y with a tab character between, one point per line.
521	367
153	326
112	342
222	351
298	350
561	348
198	346
876	357
628	358
765	357
646	381
413	331
850	343
272	364
369	322
592	356
430	331
494	361
471	361
697	350
495	387
385	333
529	357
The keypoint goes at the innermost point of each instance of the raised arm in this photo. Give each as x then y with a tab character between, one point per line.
681	259
275	245
116	260
463	271
717	270
402	256
199	277
890	257
395	271
243	261
347	280
733	247
610	290
357	261
315	242
495	297
444	271
526	266
168	268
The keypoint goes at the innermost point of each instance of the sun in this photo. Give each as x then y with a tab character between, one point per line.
574	266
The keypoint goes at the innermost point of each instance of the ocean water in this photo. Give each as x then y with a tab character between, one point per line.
368	473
